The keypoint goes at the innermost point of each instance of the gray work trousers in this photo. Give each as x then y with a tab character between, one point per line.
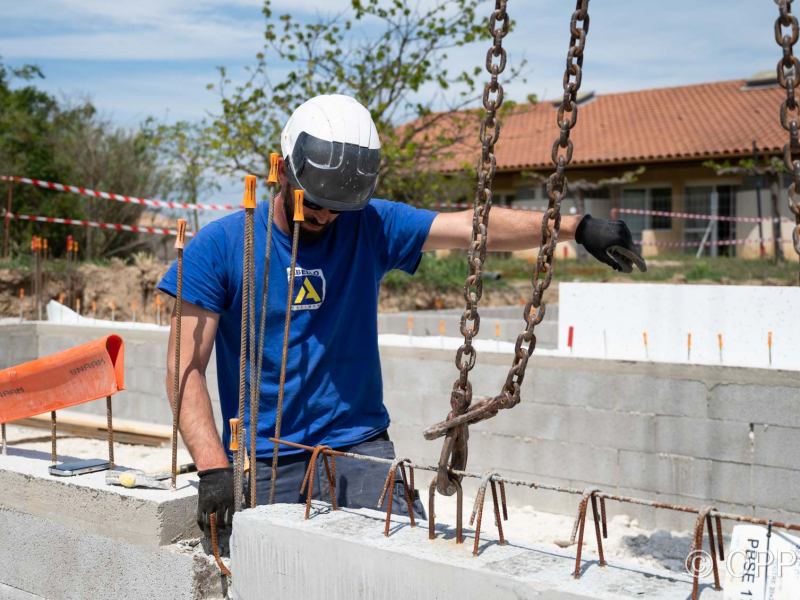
359	483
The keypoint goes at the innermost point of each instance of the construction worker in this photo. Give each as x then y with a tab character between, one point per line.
348	242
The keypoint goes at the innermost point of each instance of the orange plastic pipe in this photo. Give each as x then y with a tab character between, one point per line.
81	374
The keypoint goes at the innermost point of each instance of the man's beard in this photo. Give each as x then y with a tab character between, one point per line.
306	235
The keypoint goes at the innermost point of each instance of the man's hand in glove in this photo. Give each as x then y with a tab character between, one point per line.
215	496
609	242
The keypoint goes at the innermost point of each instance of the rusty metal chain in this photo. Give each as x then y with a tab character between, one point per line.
455	427
788	73
454	452
566	118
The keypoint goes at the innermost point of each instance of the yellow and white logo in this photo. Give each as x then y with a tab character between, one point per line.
309	288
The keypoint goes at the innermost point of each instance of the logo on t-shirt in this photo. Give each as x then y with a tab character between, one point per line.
309	288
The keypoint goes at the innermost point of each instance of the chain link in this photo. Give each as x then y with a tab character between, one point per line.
561	156
788	72
454	453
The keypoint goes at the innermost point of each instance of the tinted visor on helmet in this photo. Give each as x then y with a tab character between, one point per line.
336	175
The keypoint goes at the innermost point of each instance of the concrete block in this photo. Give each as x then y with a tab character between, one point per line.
751	403
731	483
576	461
571	387
150	355
613	429
777	446
344	555
776	488
533	419
408	407
139	516
665	473
47	559
719	440
661	396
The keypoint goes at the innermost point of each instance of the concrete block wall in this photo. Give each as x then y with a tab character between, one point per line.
77	537
145	398
687	435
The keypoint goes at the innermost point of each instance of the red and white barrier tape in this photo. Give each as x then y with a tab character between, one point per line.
717	243
94	224
467	205
661	213
108	196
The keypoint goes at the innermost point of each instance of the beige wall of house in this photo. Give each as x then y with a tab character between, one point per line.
689	183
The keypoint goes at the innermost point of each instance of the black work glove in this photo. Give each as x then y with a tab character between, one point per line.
610	242
215	495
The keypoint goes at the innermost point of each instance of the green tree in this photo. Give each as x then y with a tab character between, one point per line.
182	147
68	142
387	54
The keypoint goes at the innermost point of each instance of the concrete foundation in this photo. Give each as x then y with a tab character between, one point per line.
77	537
344	555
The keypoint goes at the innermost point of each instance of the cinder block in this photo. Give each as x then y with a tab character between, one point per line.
718	440
273	550
776	488
612	429
490	451
661	395
577	461
409	407
778	446
149	354
665	473
429	376
731	483
571	387
533	419
750	403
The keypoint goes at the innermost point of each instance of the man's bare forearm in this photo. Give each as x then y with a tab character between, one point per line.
197	427
509	230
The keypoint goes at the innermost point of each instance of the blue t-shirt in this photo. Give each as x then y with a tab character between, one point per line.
334	392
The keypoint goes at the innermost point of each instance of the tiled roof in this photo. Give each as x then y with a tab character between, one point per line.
661	125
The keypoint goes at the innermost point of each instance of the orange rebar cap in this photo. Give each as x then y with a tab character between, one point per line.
181	234
249	191
273	168
298	205
234	445
21	293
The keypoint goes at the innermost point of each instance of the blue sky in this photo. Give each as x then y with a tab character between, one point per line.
155	57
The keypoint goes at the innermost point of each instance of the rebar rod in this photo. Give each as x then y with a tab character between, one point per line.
297	219
554	488
176	376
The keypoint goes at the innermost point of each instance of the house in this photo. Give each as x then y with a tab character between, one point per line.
669	131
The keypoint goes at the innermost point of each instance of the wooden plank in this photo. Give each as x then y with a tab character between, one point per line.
94	426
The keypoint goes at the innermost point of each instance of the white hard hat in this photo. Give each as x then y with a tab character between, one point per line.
332	152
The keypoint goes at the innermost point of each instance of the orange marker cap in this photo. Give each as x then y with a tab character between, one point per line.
497	329
158	300
410	322
133	305
441	327
298	205
69	243
61	298
249	191
112	305
273	167
78	303
94	305
181	233
234	445
75	246
689	343
45	243
720	340
645	338
769	339
21	293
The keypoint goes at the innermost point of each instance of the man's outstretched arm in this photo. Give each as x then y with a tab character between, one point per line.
608	241
198	328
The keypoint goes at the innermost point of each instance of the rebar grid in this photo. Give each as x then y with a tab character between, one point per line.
705	513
